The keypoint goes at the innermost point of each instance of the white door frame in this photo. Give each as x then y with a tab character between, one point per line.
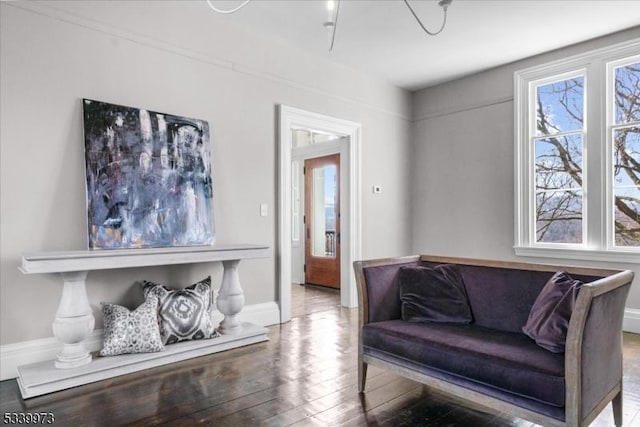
291	117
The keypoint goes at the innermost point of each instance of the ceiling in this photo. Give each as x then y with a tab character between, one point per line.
382	38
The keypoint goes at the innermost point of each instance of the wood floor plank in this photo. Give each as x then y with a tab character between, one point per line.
321	403
306	375
383	414
427	410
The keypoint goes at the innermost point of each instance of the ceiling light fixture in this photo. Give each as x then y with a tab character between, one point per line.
333	8
444	4
235	9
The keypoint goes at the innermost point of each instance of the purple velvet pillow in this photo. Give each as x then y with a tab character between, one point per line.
434	295
549	317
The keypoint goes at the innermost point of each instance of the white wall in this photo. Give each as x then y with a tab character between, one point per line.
179	58
463	165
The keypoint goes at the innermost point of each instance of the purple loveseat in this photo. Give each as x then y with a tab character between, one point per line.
490	361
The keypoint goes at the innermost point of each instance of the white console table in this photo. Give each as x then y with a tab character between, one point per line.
74	320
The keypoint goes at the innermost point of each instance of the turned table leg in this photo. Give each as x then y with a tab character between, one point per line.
74	322
230	298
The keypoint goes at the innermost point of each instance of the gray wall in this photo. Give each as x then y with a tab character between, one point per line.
178	58
463	165
183	59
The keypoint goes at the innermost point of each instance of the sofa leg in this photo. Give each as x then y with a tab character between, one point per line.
617	409
362	376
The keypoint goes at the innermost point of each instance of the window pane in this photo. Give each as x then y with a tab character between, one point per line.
628	93
560	106
295	201
559	162
626	182
324	197
626	156
559	216
627	217
305	137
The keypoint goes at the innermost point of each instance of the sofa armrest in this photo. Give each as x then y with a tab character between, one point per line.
593	358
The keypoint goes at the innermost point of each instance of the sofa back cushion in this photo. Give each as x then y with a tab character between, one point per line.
501	298
434	295
383	293
549	317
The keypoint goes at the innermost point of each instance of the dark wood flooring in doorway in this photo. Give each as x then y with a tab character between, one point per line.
304	376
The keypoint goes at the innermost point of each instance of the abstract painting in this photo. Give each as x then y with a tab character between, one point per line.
148	178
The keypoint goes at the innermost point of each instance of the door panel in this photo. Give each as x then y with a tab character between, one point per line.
322	221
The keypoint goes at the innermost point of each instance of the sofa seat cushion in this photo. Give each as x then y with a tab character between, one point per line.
508	361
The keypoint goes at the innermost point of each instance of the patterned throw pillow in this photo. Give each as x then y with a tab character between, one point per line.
185	314
128	331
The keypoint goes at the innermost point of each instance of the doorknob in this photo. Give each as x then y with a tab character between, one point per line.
308	233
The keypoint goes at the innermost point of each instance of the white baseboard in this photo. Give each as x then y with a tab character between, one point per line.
631	322
40	350
264	314
27	352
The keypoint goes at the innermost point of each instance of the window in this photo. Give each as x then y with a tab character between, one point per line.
578	156
296	201
624	136
558	145
302	142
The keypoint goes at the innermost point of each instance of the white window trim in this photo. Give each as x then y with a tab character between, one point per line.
608	137
598	242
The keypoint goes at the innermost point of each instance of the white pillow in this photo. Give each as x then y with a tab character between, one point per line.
128	331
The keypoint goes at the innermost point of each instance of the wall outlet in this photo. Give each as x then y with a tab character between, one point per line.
264	209
377	189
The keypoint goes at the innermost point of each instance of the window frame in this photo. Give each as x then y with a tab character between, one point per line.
532	138
597	67
610	128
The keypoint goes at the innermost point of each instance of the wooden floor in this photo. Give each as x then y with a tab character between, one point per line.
305	376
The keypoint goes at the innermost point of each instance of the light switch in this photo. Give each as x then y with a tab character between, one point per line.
264	209
377	189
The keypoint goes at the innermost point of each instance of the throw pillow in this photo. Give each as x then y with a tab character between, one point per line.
185	314
131	331
549	317
434	295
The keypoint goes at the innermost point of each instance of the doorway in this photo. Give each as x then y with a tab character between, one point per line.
322	221
350	201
